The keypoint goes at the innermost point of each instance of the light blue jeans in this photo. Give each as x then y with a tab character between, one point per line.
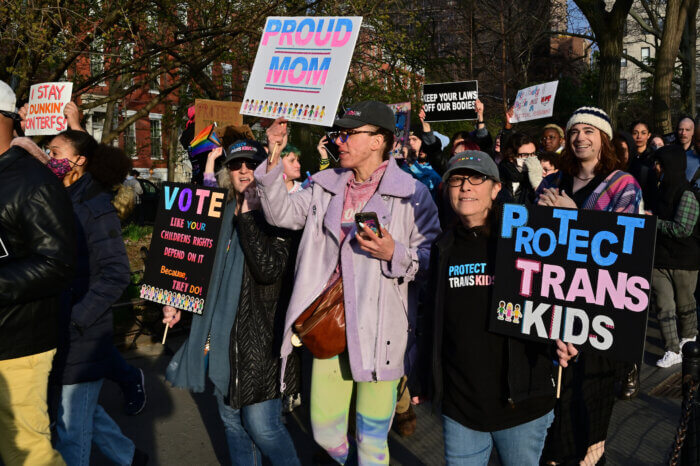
254	429
518	446
81	421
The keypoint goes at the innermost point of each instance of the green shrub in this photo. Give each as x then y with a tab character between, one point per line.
133	232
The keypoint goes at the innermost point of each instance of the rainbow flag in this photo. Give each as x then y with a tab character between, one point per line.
205	141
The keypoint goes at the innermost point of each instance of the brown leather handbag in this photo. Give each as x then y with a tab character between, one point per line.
321	327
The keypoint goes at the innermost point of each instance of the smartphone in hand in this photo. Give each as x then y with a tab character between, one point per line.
370	219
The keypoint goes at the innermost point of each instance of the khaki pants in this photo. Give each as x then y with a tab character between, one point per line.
25	437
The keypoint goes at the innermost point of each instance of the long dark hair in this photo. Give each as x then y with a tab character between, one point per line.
108	165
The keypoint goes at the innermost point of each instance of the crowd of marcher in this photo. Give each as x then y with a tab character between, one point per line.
353	266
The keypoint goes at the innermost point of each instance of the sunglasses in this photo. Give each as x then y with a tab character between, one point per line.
237	164
346	133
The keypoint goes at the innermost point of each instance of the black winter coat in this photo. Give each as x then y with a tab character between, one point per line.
256	336
36	256
101	275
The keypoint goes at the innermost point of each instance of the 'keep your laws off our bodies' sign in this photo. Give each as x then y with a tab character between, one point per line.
450	101
582	276
300	68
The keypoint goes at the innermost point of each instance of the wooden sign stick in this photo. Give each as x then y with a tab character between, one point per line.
273	153
165	335
558	377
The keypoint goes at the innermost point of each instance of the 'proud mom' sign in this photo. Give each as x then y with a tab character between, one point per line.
183	247
582	276
300	69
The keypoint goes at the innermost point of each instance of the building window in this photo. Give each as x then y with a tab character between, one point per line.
156	137
227	80
97	58
130	137
623	86
154	82
645	55
623	60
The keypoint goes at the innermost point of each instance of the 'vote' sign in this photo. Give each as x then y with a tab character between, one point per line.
183	247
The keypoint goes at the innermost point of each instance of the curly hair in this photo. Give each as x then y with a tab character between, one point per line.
609	161
107	164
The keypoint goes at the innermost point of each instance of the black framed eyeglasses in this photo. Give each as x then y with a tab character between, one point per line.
346	133
456	181
238	163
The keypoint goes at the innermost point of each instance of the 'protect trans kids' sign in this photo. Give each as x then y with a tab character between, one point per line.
300	69
582	276
183	248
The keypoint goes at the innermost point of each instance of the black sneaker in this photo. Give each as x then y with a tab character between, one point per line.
140	458
135	395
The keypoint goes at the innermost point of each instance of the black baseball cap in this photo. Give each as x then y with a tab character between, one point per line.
369	112
245	149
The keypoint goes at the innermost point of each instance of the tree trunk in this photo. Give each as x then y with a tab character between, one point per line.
610	46
687	55
674	23
608	28
504	87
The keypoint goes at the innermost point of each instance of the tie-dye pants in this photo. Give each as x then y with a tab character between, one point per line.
331	394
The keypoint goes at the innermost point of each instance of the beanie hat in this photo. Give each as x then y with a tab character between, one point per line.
556	128
591	116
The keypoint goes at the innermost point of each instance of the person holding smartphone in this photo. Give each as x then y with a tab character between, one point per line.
377	274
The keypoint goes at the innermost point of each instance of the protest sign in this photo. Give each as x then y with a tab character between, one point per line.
582	276
402	112
300	68
534	102
45	108
450	101
222	113
182	251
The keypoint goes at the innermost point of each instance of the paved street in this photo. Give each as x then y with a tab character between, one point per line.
179	428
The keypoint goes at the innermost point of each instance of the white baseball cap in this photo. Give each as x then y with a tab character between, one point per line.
8	99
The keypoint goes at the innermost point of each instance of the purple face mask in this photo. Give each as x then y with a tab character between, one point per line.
59	167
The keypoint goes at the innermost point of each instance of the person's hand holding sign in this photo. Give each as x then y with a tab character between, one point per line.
171	316
552	197
276	141
421	117
566	352
378	247
72	114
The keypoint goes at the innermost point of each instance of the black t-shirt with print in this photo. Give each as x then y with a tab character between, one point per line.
475	361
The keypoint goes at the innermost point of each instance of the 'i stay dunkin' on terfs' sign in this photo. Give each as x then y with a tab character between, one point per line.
183	248
582	276
300	68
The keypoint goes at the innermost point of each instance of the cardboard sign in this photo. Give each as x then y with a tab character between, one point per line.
222	113
45	108
534	102
183	248
300	69
402	112
450	101
582	276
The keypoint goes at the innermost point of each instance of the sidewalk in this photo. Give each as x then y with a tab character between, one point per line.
180	428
